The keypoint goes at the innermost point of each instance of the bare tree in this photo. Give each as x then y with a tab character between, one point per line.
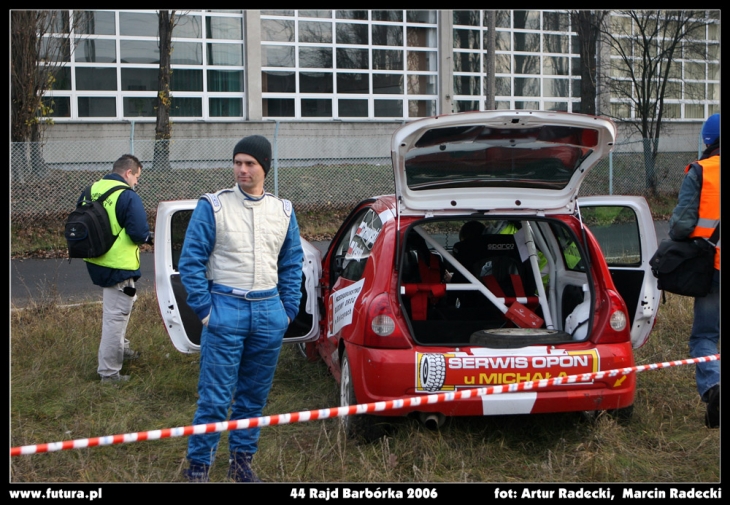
467	61
584	23
163	126
490	87
40	45
643	45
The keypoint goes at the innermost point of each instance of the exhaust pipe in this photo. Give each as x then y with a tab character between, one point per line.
432	421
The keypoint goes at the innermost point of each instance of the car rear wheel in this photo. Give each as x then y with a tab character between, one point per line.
302	348
357	427
347	397
622	416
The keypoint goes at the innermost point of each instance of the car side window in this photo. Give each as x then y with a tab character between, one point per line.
356	243
569	249
617	230
179	225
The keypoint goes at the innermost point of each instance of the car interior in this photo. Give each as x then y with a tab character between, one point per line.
461	289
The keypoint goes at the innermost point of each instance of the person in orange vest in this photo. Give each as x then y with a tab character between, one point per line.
696	215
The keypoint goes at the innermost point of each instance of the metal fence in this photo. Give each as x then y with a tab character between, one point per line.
314	173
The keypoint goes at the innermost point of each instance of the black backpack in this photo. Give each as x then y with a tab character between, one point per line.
88	230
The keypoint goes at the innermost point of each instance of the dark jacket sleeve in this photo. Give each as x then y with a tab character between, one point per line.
686	213
132	216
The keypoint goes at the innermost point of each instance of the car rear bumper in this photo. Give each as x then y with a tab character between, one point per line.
389	374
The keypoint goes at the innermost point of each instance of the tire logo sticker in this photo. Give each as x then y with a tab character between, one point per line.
431	372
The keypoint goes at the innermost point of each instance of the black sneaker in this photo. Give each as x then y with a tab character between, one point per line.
240	468
712	416
197	473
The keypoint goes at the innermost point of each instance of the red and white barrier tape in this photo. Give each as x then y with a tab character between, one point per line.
313	415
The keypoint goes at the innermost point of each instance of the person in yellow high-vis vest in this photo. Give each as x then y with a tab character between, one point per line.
117	270
696	215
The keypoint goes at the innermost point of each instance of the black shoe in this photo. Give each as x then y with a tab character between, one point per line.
197	473
130	355
240	468
114	379
712	416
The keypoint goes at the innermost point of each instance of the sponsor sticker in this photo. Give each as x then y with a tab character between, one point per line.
437	372
341	303
365	235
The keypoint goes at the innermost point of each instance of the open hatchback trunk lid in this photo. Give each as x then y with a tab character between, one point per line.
497	160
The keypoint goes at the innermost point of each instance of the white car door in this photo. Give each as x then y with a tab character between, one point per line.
625	230
181	323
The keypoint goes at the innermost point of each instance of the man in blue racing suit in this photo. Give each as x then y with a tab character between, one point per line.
241	265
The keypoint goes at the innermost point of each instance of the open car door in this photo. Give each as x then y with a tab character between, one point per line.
181	323
624	229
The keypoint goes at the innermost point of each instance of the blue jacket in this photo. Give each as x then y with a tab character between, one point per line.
133	218
198	246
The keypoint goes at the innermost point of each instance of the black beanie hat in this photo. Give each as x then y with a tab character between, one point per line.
257	146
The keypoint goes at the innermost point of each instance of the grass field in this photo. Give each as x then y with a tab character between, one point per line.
55	395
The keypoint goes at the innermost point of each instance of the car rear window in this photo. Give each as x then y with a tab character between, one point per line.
481	156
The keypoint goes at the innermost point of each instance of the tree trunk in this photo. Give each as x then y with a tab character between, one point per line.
163	127
491	61
38	164
29	81
585	25
650	177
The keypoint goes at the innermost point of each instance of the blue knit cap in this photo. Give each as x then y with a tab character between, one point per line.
257	146
711	129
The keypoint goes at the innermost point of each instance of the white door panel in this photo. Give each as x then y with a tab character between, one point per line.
625	231
181	323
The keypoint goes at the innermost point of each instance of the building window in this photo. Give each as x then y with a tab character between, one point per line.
225	107
278	107
139	24
57	107
117	54
139	107
97	106
95	51
693	86
96	22
534	57
95	78
352	64
349	64
186	107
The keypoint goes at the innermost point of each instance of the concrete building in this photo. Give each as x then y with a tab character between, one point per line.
330	71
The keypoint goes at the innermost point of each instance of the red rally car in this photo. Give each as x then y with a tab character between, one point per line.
484	268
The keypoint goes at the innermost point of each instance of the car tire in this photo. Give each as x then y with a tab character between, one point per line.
510	338
302	348
432	372
360	427
622	416
308	351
